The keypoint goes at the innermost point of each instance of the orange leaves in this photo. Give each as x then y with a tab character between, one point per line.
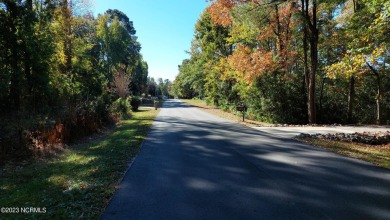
252	64
262	40
220	12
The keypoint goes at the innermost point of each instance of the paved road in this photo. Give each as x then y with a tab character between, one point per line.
194	165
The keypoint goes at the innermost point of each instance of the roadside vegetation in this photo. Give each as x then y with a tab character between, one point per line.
292	62
78	181
233	114
375	154
66	74
295	63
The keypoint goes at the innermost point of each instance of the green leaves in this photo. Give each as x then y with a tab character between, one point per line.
56	58
273	54
119	46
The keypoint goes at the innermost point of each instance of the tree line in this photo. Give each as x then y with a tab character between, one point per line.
60	63
160	89
292	61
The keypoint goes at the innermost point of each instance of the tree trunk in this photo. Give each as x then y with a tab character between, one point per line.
314	62
28	20
320	116
351	99
305	56
378	93
313	32
378	108
67	16
311	98
16	74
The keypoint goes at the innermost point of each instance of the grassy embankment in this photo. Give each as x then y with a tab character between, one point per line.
378	155
375	154
80	180
220	113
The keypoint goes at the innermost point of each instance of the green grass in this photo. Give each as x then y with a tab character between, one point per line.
79	182
375	154
198	103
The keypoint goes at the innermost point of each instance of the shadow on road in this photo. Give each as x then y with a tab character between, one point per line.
194	168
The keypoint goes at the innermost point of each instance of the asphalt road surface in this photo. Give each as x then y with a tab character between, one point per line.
194	165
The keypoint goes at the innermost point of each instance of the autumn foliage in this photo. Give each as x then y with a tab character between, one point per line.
295	61
220	12
259	58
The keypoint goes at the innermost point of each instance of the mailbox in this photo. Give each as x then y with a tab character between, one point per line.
156	104
242	108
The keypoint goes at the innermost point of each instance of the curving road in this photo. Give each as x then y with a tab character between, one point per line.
194	165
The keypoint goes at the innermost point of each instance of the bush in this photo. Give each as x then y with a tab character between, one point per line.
120	109
135	102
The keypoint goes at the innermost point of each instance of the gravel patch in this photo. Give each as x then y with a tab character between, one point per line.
293	131
371	138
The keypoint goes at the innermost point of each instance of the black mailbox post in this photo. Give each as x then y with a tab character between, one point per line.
242	108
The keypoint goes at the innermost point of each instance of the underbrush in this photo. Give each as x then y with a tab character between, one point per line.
25	134
230	114
79	180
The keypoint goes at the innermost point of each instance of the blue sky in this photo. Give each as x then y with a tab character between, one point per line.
164	29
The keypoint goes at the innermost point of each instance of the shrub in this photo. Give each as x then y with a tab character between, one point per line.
121	80
135	102
120	109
